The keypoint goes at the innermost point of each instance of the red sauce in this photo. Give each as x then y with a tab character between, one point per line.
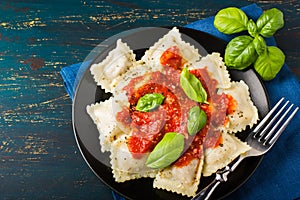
194	149
220	105
231	105
172	58
148	128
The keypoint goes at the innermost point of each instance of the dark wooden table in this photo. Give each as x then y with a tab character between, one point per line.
38	154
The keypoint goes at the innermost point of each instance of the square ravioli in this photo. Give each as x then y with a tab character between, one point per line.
171	44
107	73
182	180
125	166
102	115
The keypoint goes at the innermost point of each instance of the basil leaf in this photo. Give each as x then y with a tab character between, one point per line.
196	120
149	102
167	151
252	28
270	63
240	52
269	22
192	86
259	45
231	20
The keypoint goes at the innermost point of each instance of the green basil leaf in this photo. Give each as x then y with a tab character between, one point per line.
259	45
252	28
269	22
270	63
149	102
192	86
240	52
167	151
231	20
196	120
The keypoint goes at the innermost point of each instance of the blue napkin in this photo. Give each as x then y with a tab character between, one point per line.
278	176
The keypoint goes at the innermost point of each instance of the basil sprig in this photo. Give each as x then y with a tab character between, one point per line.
167	151
192	86
149	102
244	50
196	120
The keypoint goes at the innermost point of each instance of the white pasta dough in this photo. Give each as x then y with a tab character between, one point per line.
215	65
110	70
173	38
102	115
218	157
125	166
246	113
182	180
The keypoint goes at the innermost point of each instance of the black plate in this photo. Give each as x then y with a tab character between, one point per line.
86	133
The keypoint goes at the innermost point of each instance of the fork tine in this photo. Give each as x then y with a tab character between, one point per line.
277	124
259	126
261	134
282	128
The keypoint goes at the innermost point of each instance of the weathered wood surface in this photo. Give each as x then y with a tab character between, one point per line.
38	153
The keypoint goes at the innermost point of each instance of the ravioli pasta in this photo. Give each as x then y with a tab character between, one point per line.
173	38
245	113
217	158
102	115
110	70
176	179
125	166
120	74
215	65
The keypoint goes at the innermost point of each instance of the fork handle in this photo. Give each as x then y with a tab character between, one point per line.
207	191
221	176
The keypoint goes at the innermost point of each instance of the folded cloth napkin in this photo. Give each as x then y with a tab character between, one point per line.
278	176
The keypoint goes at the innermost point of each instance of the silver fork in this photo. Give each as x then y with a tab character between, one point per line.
261	140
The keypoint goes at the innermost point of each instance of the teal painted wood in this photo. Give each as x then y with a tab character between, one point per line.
38	153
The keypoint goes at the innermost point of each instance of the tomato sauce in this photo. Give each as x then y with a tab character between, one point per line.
172	58
148	128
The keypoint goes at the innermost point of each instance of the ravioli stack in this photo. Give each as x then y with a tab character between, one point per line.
116	72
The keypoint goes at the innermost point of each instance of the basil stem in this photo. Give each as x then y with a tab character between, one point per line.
259	45
192	86
196	120
149	102
167	151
